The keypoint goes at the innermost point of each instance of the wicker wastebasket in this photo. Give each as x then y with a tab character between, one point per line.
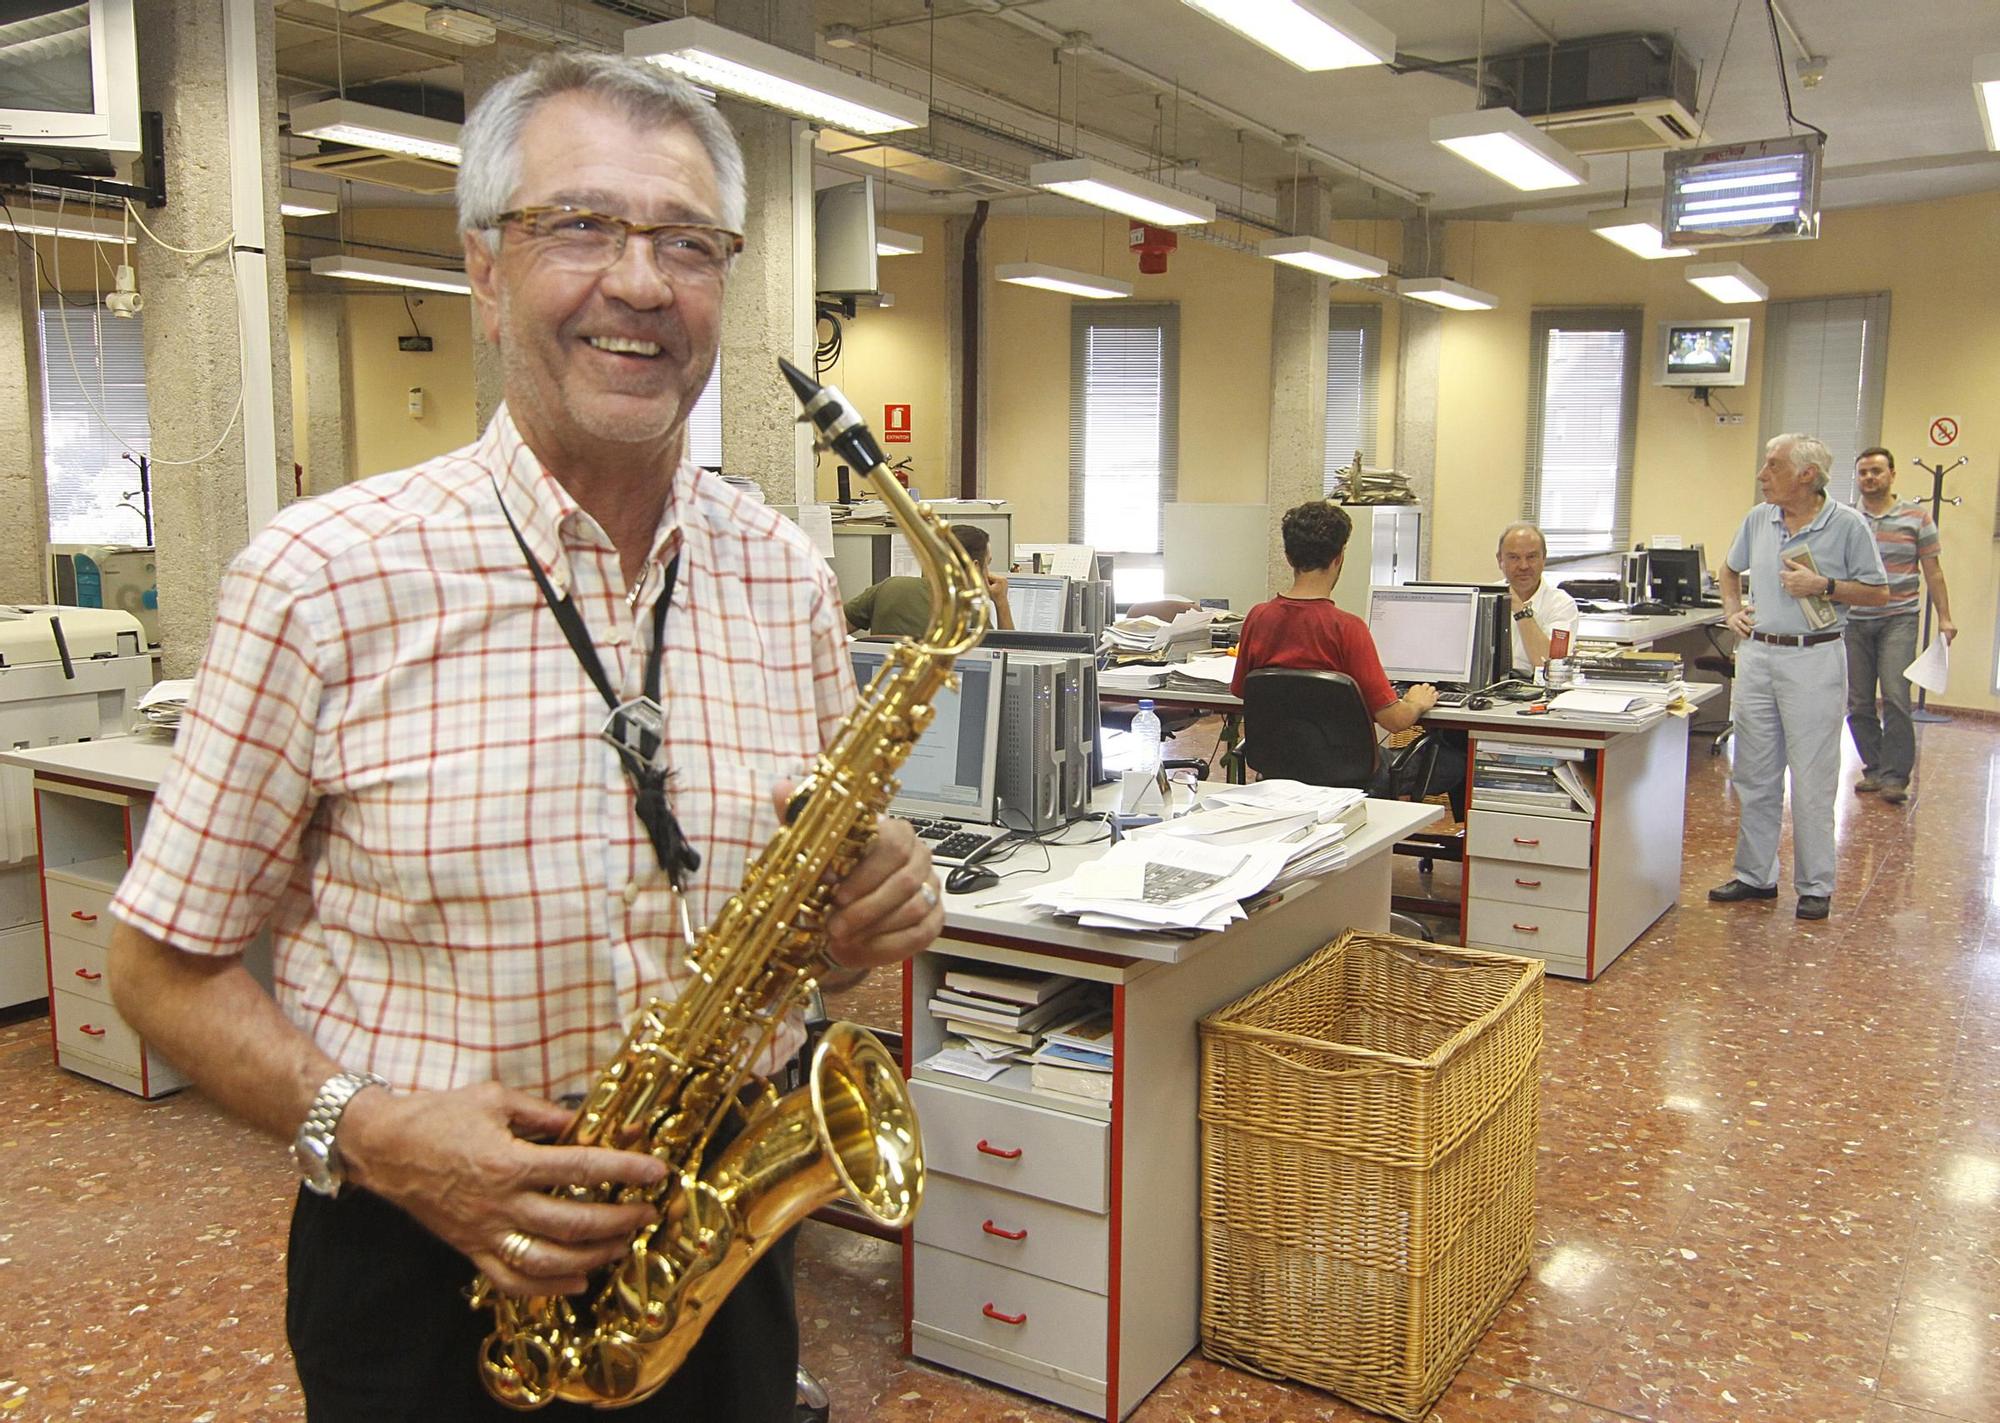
1368	1165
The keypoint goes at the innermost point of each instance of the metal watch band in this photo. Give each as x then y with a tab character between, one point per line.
320	1166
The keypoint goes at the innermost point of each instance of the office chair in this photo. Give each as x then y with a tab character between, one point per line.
1313	727
1725	667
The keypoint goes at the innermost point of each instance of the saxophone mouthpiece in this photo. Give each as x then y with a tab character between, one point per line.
840	425
803	385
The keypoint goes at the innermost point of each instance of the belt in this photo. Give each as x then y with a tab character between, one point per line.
1785	639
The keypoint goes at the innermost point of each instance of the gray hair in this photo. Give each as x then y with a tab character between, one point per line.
490	170
1513	529
1801	452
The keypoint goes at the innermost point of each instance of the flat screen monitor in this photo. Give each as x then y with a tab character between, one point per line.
1425	634
1675	575
953	771
1705	352
1040	601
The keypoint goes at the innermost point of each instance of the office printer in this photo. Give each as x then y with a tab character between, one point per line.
66	674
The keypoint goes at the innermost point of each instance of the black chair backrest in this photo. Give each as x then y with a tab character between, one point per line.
1308	726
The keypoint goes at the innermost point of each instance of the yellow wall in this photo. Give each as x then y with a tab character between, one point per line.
1693	477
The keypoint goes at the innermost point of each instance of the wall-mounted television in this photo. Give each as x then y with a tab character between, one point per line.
69	75
1704	352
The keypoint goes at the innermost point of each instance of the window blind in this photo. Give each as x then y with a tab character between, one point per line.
704	426
92	362
1583	398
1123	426
1353	371
1823	374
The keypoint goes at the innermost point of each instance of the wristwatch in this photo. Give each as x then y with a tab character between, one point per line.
1524	615
1829	587
314	1150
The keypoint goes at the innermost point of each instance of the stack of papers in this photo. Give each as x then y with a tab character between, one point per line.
1211	672
1076	1061
163	706
994	1017
1150	634
1138	677
1607	706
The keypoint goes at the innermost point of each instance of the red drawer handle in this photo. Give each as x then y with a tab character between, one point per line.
79	915
1529	883
991	1229
1519	841
91	1032
87	976
1529	928
991	1313
989	1149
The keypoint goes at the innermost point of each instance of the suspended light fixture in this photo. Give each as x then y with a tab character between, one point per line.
1442	291
1728	282
307	202
1329	259
1311	34
1061	279
1637	230
372	126
1104	186
1765	191
393	274
721	59
891	243
1511	149
81	225
1986	91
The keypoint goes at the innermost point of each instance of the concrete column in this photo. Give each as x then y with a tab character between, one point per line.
483	67
768	311
329	416
961	442
23	484
1297	470
193	345
1418	364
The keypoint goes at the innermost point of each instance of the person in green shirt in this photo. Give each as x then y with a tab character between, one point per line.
901	607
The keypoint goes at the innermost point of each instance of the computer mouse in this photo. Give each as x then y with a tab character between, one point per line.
970	879
1478	703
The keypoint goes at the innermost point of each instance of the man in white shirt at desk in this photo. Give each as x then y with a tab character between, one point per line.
1539	607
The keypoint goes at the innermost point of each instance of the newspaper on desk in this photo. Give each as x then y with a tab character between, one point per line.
1193	873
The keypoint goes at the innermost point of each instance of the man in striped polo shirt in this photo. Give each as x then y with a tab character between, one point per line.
1882	641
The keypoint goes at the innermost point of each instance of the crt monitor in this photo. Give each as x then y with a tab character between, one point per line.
953	770
1711	351
1675	575
1425	634
1040	601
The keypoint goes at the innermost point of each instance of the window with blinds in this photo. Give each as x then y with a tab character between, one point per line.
1353	369
704	426
1583	402
1124	435
1823	374
93	412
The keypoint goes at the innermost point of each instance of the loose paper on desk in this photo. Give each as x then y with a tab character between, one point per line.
817	521
1932	667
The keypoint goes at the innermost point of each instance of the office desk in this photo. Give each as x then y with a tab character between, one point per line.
1649	630
1059	1248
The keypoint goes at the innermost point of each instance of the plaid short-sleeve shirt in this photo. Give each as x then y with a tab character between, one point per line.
391	759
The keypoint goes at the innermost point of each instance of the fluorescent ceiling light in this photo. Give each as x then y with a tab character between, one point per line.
371	126
1326	258
1637	230
1511	149
30	222
1986	89
393	274
721	59
1101	185
1729	282
1311	34
1745	192
307	202
1442	291
891	243
460	26
1061	279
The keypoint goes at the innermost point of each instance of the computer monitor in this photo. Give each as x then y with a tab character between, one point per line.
1425	634
953	771
1040	601
1676	575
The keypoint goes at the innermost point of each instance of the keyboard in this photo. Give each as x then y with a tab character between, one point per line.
954	841
1447	696
1451	699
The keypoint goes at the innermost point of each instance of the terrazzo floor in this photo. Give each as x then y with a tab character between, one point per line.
1769	1184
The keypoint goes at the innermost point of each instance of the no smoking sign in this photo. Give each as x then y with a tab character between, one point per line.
1944	431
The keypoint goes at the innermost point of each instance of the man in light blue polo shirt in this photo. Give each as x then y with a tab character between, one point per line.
1805	555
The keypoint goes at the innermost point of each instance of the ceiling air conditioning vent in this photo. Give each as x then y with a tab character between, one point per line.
391	170
1607	94
1625	128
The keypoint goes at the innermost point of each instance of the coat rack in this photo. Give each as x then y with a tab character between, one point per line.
1937	472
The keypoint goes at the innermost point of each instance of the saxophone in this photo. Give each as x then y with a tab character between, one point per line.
684	1069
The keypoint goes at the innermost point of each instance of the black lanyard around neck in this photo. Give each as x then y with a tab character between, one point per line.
635	728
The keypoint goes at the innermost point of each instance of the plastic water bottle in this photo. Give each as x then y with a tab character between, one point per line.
1146	727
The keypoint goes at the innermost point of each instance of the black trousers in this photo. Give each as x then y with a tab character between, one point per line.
381	1332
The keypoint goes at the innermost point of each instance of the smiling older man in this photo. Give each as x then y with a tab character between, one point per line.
1801	551
393	761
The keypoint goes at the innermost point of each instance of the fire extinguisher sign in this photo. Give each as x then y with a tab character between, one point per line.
895	424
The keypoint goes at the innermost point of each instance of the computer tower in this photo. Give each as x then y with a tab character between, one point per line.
1075	727
1493	647
1030	774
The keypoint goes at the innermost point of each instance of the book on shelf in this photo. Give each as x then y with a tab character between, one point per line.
1066	1055
946	1003
1011	985
987	1032
1070	1081
1091	1032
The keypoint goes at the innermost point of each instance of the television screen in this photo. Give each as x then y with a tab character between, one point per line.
1696	350
45	66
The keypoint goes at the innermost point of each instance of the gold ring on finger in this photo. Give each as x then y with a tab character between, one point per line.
514	1248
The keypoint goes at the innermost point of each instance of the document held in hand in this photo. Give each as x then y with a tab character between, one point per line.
1932	667
1818	608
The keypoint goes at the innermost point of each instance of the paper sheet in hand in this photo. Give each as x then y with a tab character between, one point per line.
1932	667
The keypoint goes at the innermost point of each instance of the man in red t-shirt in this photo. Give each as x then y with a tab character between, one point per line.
1302	628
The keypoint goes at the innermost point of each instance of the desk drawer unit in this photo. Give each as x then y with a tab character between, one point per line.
80	911
1528	929
92	1026
1515	882
77	966
1529	839
1056	1324
1050	1155
1016	1231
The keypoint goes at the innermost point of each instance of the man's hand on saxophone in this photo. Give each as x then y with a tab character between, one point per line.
887	909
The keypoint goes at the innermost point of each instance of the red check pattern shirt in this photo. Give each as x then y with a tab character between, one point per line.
391	758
